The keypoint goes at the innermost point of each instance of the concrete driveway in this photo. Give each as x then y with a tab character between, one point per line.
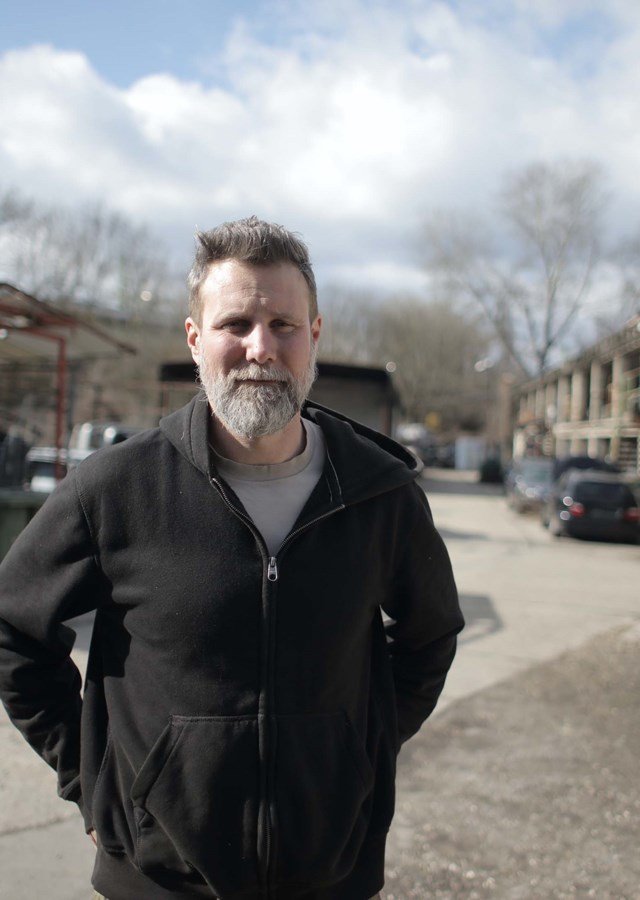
527	597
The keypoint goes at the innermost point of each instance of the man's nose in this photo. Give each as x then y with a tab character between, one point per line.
260	345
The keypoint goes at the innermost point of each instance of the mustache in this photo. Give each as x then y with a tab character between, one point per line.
254	372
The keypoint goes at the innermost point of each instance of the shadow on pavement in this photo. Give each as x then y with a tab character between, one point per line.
480	616
447	534
451	481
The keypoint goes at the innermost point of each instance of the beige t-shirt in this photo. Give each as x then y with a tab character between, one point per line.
274	495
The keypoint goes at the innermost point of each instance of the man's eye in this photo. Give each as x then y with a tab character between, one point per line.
235	325
281	325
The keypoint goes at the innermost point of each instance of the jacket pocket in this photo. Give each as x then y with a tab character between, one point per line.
195	802
108	811
323	783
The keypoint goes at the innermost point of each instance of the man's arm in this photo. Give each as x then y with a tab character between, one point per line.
425	617
49	576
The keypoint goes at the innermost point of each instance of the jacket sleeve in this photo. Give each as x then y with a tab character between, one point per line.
50	575
424	616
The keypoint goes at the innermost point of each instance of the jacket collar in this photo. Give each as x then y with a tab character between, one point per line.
366	462
361	462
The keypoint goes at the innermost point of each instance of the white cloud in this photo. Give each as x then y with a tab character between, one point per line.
349	130
384	277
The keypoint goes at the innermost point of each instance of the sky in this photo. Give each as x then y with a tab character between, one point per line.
350	122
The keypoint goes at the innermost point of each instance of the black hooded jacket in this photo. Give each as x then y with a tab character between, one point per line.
242	714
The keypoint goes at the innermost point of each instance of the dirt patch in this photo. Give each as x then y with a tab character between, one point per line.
530	789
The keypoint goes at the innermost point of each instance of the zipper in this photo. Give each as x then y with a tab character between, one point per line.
265	815
294	534
266	727
273	573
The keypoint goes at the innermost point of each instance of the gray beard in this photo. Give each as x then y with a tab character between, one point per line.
252	410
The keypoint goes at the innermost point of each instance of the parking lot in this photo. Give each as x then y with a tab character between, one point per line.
533	604
527	596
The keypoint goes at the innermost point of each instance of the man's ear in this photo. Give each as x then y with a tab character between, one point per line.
316	327
193	338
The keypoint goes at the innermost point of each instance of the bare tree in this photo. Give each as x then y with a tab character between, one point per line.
532	279
624	284
348	317
14	208
85	255
433	346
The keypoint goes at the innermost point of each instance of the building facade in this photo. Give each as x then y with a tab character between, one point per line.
588	407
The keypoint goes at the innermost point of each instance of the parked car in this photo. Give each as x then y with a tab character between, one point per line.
528	483
90	436
592	504
563	463
445	456
491	472
44	468
418	440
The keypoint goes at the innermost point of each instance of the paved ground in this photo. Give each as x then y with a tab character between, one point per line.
528	790
525	782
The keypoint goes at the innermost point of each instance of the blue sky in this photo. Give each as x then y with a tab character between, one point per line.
349	121
128	39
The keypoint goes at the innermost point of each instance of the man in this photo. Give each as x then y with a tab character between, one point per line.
243	706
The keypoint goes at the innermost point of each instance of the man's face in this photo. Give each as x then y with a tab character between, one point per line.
255	346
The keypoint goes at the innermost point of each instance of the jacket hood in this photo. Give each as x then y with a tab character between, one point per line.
364	462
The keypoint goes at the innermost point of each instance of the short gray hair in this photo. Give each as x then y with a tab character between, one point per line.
251	241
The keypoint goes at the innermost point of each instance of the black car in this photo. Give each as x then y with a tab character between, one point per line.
592	504
563	463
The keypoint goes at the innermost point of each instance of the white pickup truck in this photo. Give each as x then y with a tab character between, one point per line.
45	466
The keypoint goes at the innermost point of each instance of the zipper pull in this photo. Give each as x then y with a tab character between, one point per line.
272	570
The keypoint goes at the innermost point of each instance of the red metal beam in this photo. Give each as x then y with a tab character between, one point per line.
36	316
61	389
